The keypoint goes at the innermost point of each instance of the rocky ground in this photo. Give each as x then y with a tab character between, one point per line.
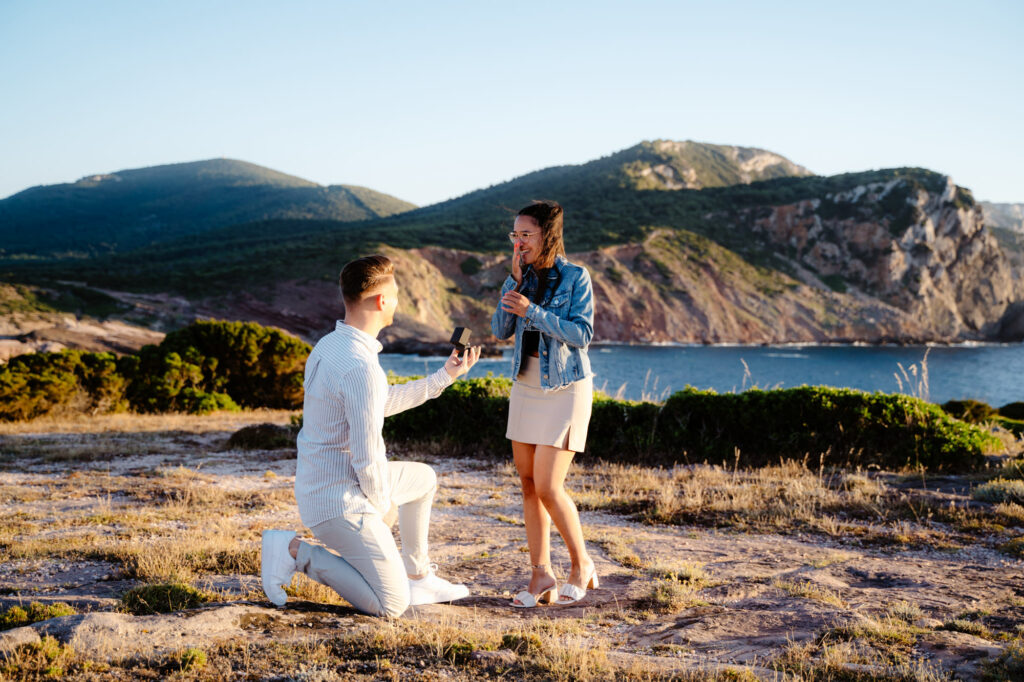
786	583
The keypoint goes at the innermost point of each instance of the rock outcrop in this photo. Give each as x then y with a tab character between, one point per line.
923	251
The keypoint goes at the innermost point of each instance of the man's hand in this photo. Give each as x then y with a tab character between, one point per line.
391	516
515	303
457	366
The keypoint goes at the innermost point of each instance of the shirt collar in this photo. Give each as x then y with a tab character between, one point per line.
359	336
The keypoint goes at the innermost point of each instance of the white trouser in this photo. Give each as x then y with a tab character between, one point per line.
367	569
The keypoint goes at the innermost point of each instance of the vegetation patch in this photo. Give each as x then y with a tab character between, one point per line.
45	659
263	437
1000	490
669	596
16	616
201	368
164	598
809	590
754	428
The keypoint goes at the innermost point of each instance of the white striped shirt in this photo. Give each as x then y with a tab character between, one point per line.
342	465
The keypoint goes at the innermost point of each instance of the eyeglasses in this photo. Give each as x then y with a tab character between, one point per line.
521	236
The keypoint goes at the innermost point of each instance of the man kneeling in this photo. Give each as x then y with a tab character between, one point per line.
348	493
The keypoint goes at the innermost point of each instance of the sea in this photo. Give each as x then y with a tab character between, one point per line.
992	373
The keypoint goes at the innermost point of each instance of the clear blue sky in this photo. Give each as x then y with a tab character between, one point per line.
429	100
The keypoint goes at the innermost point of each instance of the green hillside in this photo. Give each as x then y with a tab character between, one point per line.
608	201
135	208
597	215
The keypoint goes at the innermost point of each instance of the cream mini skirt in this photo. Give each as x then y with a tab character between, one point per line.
557	418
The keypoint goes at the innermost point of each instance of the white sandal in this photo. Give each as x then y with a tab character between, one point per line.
527	600
570	594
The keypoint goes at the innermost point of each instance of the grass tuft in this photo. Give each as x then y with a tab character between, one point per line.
164	598
1000	490
17	616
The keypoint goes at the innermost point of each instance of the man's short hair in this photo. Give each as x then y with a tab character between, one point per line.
363	275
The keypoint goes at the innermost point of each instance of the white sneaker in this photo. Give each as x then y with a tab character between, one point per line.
431	589
276	564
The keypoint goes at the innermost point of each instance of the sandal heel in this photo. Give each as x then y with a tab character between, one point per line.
547	597
592	583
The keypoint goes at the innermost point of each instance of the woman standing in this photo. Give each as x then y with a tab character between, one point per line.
548	304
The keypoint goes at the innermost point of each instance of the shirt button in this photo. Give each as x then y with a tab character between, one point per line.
545	376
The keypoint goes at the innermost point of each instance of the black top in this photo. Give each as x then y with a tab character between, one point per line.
531	342
531	337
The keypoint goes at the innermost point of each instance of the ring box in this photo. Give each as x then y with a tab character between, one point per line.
460	338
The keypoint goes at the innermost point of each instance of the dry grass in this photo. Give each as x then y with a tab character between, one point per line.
145	423
791	498
809	590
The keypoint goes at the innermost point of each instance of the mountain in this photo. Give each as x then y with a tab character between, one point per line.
1004	216
898	255
135	208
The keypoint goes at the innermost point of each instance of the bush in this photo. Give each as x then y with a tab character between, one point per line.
469	417
841	426
263	437
257	366
1013	411
973	411
35	384
204	367
163	598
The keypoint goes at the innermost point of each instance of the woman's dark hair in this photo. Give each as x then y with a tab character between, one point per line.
548	215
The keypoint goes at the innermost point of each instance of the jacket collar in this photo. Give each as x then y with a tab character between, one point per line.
555	269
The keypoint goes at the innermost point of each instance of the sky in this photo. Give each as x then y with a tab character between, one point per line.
429	100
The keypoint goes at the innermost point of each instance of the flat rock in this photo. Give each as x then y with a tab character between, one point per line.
108	636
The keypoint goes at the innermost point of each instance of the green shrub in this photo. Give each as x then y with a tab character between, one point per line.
204	367
469	417
163	598
1013	411
257	366
35	384
973	411
842	426
16	616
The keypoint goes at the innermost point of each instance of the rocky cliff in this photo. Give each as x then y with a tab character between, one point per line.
893	261
887	261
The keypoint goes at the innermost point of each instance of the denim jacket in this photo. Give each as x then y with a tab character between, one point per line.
564	318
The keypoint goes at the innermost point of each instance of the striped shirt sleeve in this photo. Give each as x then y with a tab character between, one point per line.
365	396
414	393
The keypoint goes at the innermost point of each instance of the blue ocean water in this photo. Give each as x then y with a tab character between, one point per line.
991	373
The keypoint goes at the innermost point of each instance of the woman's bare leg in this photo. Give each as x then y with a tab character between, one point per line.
538	523
550	466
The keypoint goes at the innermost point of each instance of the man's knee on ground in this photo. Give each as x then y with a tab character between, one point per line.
393	603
